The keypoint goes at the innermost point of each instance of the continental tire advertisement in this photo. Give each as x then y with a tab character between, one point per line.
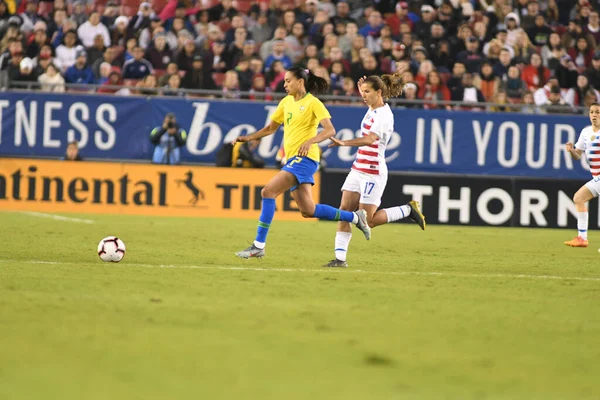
115	188
480	201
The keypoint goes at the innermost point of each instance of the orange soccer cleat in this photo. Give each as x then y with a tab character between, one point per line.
577	242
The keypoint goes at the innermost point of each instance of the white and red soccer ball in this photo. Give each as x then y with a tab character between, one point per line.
111	249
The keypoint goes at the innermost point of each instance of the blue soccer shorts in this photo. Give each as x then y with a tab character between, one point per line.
303	168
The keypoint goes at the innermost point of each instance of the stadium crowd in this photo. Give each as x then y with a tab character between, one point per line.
518	54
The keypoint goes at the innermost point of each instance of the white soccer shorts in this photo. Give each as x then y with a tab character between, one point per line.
370	187
594	186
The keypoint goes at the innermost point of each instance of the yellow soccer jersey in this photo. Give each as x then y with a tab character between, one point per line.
300	120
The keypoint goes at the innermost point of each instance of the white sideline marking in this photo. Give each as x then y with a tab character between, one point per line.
57	217
351	271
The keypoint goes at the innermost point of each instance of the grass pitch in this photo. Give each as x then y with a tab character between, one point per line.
449	313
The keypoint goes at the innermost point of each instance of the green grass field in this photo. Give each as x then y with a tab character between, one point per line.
449	313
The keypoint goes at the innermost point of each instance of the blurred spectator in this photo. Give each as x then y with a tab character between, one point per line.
540	32
159	55
423	27
245	155
513	28
80	72
275	76
523	49
138	67
43	59
25	72
552	52
224	10
467	93
500	101
215	59
267	47
343	13
262	31
575	31
150	32
434	91
535	74
40	38
147	86
514	86
180	12
400	17
78	14
528	106
105	70
198	77
72	152
567	72
410	93
113	85
92	27
168	138
97	50
51	80
555	103
455	80
541	95
110	15
593	26
107	57
185	56
501	67
173	86
65	53
245	74
141	20
236	48
296	42
236	22
119	35
368	67
487	82
259	85
582	54
576	96
593	71
30	16
172	69
423	73
278	54
471	57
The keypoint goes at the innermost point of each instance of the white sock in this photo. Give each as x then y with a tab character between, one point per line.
259	245
397	213
342	241
355	218
582	224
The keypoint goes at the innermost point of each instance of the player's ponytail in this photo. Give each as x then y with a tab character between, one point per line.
391	85
312	83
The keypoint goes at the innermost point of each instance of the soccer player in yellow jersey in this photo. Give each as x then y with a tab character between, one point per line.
300	113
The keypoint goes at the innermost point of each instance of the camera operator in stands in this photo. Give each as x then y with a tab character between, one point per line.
168	138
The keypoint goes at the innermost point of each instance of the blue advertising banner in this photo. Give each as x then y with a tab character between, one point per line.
425	141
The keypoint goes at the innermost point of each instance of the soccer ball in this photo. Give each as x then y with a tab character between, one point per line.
111	249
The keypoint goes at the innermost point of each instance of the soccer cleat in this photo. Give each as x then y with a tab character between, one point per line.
577	242
251	252
362	223
335	263
416	215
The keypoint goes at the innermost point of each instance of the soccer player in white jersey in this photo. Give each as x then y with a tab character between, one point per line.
366	181
588	142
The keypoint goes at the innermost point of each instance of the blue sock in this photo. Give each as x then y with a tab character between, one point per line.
264	222
323	211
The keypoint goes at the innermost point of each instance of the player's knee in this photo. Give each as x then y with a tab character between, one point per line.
306	212
266	193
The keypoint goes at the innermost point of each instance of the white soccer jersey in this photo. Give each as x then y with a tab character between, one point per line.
589	142
371	159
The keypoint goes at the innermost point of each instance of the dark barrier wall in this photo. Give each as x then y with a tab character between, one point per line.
479	201
116	127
